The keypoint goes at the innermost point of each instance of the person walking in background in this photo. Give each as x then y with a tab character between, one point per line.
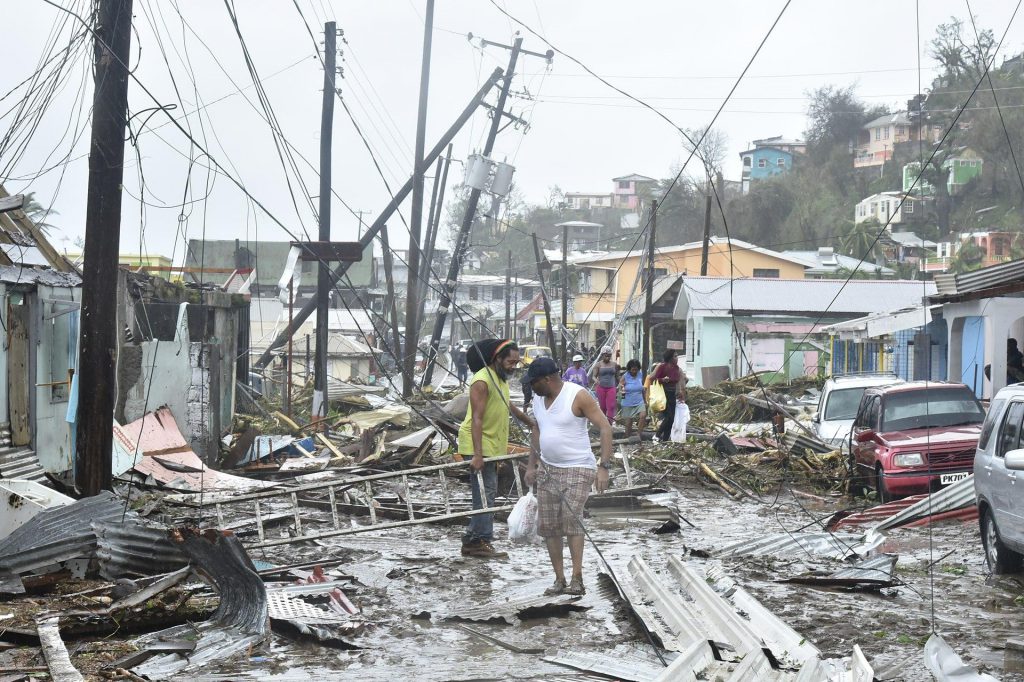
461	365
577	374
605	377
484	433
634	399
669	376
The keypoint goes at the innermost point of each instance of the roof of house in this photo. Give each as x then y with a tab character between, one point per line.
779	140
716	297
578	223
662	285
950	284
764	148
636	253
25	243
911	239
634	177
899	118
891	194
831	262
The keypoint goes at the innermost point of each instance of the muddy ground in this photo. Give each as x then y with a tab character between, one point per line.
409	579
413	577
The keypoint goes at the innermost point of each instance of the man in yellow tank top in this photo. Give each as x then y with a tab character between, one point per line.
484	433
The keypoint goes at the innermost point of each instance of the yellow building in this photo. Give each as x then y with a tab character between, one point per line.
608	281
132	260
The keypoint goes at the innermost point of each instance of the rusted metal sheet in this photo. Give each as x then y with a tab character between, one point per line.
240	621
957	501
21	463
958	496
57	534
133	549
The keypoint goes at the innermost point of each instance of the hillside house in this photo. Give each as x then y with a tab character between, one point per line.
768	157
890	207
878	137
963	166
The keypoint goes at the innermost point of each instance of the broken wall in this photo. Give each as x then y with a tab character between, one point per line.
53	337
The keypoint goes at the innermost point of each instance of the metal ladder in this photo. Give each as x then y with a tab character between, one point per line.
354	492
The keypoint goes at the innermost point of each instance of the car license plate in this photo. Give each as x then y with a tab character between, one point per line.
946	479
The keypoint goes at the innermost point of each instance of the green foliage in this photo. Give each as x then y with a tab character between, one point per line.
38	213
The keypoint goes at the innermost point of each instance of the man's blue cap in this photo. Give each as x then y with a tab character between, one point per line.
539	368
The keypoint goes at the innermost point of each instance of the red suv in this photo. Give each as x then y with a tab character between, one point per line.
914	438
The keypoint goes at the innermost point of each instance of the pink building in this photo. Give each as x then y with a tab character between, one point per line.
626	193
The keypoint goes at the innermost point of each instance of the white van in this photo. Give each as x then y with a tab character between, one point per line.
837	406
998	464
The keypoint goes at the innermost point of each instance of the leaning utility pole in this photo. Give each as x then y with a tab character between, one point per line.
707	236
323	278
459	248
412	305
508	297
649	287
371	233
544	293
392	304
98	344
565	295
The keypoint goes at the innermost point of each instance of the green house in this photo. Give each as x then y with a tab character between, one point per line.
963	166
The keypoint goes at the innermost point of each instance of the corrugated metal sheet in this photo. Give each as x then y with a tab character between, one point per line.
992	276
614	665
133	549
59	533
957	496
509	610
794	440
836	545
947	666
878	571
21	463
702	296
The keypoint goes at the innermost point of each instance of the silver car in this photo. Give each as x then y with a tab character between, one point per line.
837	406
998	464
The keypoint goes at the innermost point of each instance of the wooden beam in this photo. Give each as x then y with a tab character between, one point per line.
11	203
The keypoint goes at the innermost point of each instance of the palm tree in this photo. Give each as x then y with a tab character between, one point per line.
38	213
860	240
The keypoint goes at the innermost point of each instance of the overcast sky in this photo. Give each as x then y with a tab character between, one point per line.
680	56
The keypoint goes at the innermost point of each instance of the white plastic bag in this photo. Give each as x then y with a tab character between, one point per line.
678	434
522	521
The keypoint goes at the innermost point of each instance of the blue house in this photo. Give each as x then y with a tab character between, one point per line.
768	157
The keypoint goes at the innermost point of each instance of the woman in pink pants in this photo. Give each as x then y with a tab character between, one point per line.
605	376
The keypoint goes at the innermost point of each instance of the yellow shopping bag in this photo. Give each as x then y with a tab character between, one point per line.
656	400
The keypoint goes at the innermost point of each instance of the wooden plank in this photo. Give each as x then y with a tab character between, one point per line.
18	380
56	654
25	224
330	446
12	202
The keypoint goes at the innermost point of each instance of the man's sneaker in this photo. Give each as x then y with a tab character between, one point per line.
558	587
575	587
482	550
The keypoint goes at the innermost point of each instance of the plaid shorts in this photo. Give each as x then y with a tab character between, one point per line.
562	493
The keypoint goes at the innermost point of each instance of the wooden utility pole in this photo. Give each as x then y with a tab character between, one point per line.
98	344
371	233
433	223
459	248
392	305
565	295
649	287
508	297
707	236
413	288
544	292
323	279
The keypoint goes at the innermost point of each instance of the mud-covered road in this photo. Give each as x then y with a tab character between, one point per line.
411	578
